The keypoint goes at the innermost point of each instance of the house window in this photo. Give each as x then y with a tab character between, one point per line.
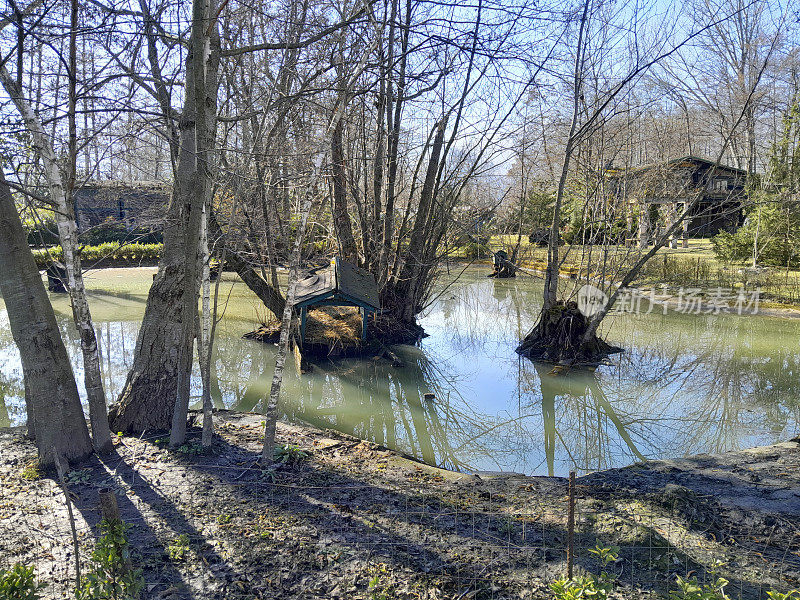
721	185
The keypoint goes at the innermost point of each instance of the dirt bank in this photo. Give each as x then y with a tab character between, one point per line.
342	518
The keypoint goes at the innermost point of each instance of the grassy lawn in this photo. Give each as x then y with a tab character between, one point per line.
695	266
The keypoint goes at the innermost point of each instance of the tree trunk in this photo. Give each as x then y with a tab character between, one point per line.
394	111
194	181
561	337
553	263
161	91
204	348
148	396
51	391
408	280
271	412
147	401
341	218
68	236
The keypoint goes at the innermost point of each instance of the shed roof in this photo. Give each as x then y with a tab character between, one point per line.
340	280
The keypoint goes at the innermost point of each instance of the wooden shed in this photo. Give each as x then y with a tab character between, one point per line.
339	284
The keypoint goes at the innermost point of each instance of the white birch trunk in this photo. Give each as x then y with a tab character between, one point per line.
271	412
204	335
68	234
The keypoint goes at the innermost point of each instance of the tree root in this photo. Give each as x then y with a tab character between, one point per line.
559	337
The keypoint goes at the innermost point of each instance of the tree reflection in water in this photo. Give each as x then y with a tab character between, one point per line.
686	383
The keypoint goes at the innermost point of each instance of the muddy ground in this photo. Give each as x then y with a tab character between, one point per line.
342	518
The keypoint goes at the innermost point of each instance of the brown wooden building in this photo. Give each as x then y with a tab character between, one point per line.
656	194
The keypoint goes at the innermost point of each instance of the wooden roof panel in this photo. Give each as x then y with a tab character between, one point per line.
315	285
357	283
340	277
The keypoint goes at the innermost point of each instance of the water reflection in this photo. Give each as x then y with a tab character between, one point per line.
686	384
584	428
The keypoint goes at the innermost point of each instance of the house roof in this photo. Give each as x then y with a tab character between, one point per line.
122	189
340	280
705	161
140	202
677	162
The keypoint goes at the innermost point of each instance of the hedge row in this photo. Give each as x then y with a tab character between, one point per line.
46	234
108	253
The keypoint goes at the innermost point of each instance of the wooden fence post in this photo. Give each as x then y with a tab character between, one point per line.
571	525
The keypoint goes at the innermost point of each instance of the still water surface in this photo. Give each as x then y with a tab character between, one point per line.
686	384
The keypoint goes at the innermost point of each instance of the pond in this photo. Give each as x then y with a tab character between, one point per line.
686	384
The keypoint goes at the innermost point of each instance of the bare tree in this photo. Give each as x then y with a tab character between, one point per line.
162	362
55	416
61	188
563	333
157	388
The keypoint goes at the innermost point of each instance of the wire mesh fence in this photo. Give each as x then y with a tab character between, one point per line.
222	527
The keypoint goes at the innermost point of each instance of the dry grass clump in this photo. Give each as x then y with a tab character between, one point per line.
336	331
326	326
334	324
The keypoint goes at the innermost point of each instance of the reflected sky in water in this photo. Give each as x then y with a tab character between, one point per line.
686	384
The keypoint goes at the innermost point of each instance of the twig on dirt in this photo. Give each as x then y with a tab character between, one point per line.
62	482
136	449
247	468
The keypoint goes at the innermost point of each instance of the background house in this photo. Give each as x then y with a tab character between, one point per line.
656	194
137	204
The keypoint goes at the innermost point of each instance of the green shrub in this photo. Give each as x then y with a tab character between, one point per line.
111	576
109	251
379	586
583	586
599	586
778	232
31	471
45	233
42	234
178	548
79	476
289	454
18	583
117	232
792	595
475	251
732	248
691	589
191	447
